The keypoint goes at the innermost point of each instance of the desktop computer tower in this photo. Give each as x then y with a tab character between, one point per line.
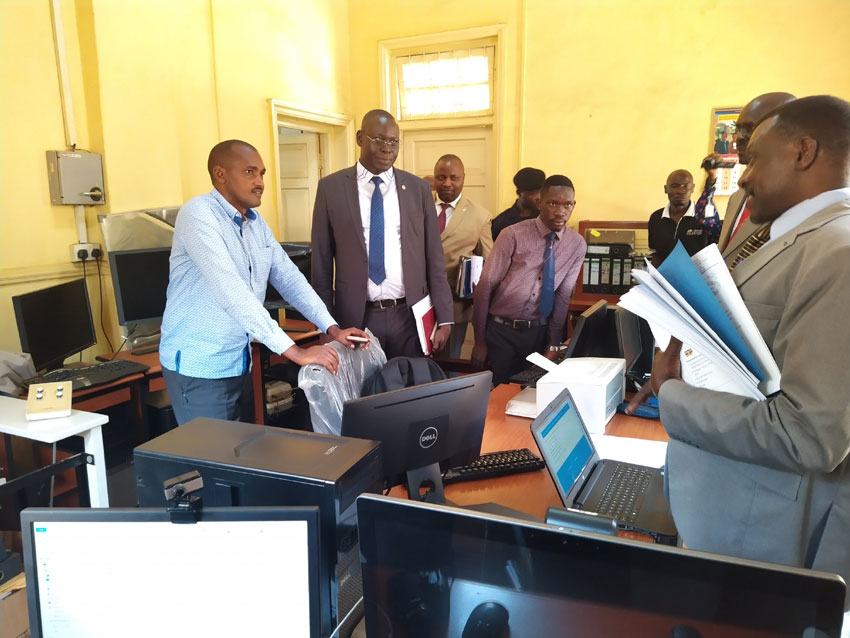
249	464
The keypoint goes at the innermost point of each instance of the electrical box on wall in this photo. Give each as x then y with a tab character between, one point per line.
75	178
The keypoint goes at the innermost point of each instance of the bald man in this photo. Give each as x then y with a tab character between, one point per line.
681	219
223	255
376	244
736	224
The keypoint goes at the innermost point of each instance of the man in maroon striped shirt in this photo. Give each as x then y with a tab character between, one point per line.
521	302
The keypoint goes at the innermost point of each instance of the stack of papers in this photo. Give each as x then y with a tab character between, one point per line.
468	275
695	300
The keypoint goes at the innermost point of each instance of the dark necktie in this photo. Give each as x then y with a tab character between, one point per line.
753	243
547	291
442	217
376	234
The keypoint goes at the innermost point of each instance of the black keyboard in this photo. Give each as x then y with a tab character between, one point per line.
495	464
626	484
86	376
529	377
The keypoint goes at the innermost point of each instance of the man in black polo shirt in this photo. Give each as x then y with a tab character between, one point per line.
696	225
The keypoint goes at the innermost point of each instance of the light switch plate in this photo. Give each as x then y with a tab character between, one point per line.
49	400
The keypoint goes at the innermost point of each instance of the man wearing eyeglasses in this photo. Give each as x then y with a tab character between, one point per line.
376	244
521	301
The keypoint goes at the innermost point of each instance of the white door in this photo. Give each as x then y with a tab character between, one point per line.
300	169
473	145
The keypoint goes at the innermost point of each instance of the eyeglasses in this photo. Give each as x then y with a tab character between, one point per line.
382	141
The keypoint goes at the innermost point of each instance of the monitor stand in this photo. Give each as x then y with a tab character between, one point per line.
429	478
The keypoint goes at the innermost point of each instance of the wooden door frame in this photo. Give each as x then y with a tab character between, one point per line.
336	140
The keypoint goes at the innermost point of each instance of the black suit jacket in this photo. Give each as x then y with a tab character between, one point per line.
338	241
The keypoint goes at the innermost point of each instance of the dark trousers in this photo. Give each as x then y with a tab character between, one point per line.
508	347
191	397
395	329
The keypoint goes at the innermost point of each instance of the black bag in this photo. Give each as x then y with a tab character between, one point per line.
402	372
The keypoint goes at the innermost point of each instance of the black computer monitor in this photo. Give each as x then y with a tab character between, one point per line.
423	426
637	345
140	279
55	323
431	570
238	571
300	253
595	333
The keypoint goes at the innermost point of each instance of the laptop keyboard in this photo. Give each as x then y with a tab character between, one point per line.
626	484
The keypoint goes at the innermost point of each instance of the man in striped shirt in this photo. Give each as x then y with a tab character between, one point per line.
521	302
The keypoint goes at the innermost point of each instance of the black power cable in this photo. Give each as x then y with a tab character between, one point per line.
96	255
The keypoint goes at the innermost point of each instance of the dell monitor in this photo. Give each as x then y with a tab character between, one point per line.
140	279
431	570
54	323
595	334
422	427
237	571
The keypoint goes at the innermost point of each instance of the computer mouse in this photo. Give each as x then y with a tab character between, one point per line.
487	620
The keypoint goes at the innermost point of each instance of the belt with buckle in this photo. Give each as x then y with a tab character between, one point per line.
383	304
519	324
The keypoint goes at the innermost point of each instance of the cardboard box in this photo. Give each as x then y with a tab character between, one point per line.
597	386
14	616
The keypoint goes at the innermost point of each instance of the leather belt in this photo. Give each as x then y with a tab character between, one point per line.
383	304
519	324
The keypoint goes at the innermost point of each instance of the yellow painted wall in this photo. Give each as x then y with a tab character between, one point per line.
156	84
617	93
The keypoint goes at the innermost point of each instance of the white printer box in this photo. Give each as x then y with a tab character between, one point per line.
597	386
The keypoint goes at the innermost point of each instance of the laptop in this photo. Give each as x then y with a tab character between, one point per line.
631	494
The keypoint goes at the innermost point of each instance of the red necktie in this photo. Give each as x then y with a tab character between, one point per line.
741	219
442	217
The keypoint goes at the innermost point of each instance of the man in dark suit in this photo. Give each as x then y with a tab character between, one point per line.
770	480
375	228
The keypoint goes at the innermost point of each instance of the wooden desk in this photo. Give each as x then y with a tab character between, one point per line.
531	492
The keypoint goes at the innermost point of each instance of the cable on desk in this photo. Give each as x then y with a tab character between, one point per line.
100	288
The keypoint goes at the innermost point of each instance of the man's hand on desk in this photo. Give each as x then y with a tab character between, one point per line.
360	338
479	356
441	337
666	365
322	355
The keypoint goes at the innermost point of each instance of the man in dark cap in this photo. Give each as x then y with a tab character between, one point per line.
528	182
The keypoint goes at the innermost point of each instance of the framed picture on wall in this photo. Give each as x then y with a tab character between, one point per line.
723	140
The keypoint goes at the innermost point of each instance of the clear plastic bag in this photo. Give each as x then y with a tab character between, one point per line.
326	392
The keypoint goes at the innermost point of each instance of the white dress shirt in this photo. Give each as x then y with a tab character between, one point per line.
393	286
797	214
450	209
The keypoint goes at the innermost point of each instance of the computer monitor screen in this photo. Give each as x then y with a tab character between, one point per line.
132	572
300	254
140	279
54	323
628	336
439	422
431	570
595	334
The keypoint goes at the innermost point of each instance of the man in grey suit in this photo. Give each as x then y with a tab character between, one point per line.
737	226
375	229
770	480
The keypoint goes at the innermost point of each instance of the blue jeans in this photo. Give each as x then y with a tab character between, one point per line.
191	397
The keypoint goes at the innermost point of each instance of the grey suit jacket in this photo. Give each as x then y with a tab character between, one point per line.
467	233
770	480
338	242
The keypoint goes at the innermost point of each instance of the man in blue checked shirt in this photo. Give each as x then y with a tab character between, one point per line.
222	257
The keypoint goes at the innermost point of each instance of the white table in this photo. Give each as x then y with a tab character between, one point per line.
85	424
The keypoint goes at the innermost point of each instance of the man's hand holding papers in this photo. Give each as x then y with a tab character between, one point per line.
696	301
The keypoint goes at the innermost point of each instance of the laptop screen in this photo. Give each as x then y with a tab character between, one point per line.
564	443
132	572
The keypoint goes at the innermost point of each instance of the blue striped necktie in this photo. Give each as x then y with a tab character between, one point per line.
547	291
376	234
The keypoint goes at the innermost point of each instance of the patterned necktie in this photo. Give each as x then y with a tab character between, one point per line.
547	291
753	243
442	217
376	234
